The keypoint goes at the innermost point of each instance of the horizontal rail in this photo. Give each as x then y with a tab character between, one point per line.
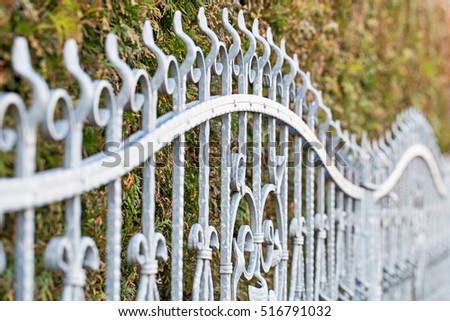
51	186
411	153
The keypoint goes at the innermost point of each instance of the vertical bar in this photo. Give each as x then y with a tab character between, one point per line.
25	222
296	290
226	267
309	227
113	245
177	218
368	206
283	227
72	159
331	239
348	242
309	293
256	174
272	162
340	255
201	291
256	222
24	255
203	205
319	214
297	268
355	243
148	198
149	186
114	216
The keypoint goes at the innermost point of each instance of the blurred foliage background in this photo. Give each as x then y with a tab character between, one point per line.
371	59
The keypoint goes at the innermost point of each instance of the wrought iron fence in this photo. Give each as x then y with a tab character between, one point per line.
351	221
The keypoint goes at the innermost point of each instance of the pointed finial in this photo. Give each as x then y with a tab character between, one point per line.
252	42
72	64
21	61
215	43
234	48
124	98
158	79
188	62
279	54
292	67
266	54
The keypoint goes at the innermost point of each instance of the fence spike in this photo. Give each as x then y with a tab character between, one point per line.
21	61
278	53
236	45
72	64
292	67
160	75
266	54
215	43
192	49
125	72
252	42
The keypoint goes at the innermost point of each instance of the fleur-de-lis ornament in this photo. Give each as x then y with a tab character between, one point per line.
73	259
204	241
321	235
296	231
147	252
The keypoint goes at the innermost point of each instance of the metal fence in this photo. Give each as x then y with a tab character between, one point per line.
351	221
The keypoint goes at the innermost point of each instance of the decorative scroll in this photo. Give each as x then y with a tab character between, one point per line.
328	227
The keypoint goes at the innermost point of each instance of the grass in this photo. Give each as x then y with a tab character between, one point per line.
370	59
